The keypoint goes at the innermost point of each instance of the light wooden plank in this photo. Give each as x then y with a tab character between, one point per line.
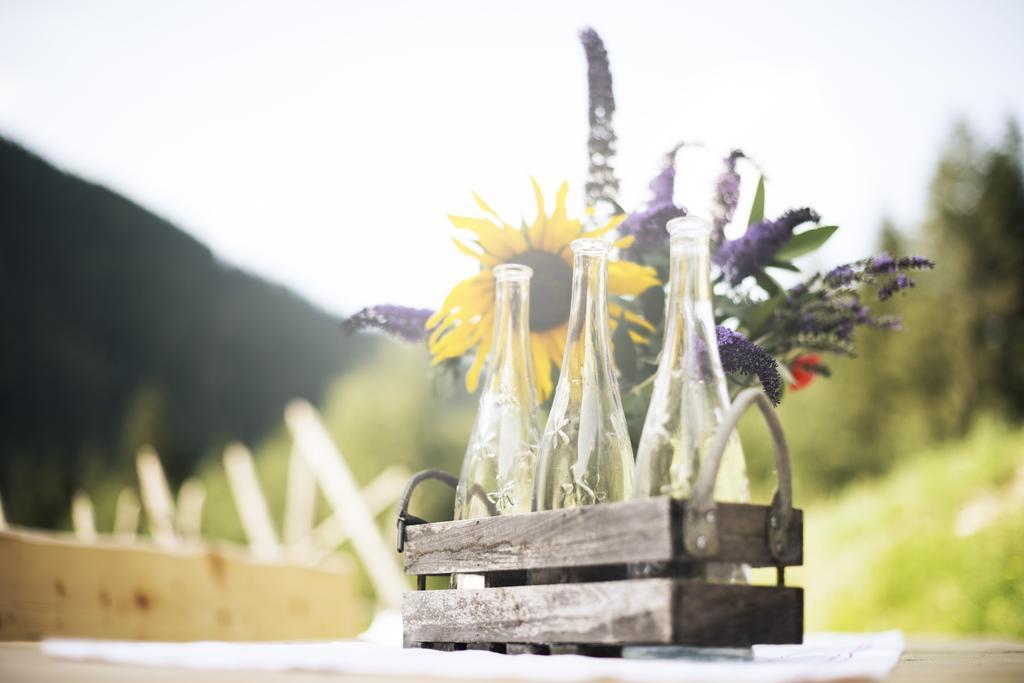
342	492
299	505
83	518
156	497
189	514
616	533
380	494
252	506
636	611
126	515
53	586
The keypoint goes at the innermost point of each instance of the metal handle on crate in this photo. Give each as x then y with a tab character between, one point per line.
404	518
700	534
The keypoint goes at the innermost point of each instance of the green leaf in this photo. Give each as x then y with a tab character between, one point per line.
768	283
757	316
625	354
782	265
757	210
805	242
652	305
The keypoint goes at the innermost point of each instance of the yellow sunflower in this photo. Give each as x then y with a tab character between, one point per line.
467	317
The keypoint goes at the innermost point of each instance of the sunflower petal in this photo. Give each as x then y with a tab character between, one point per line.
485	207
466	290
639	321
639	338
612	223
563	230
496	241
541	366
626	278
537	233
624	242
473	376
484	258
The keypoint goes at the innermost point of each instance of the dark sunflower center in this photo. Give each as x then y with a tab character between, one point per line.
550	289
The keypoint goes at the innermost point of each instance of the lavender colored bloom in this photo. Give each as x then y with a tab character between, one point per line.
894	285
743	257
663	186
884	263
601	181
648	226
727	196
840	276
401	322
823	312
741	355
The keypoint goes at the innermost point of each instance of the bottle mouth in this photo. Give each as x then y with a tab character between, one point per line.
590	246
512	271
688	226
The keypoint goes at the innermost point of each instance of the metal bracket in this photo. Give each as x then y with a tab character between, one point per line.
700	531
404	518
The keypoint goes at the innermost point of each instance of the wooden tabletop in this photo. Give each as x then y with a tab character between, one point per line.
924	661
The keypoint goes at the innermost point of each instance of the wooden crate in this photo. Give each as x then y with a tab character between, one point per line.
596	579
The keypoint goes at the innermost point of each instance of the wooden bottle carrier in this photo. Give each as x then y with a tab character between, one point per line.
592	580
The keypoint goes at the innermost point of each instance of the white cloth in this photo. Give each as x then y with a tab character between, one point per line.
822	657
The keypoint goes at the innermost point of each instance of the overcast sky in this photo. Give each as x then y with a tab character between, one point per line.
322	144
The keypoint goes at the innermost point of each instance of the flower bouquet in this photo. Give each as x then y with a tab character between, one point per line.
767	333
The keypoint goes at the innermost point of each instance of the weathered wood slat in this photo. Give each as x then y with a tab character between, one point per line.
725	615
638	611
742	535
598	534
617	533
624	611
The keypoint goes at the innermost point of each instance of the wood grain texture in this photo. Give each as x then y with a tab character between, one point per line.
599	534
742	535
626	611
636	611
51	585
616	533
723	615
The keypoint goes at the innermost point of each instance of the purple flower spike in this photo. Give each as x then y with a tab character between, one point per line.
401	322
727	196
664	184
741	355
648	226
602	183
822	313
743	257
894	285
884	264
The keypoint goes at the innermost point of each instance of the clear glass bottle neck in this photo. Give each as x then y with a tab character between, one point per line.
588	332
510	350
689	299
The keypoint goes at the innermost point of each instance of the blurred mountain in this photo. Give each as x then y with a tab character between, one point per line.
119	329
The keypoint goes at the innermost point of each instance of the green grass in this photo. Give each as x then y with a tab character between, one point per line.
885	553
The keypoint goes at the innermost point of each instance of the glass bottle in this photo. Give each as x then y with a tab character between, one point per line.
690	396
497	472
585	455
